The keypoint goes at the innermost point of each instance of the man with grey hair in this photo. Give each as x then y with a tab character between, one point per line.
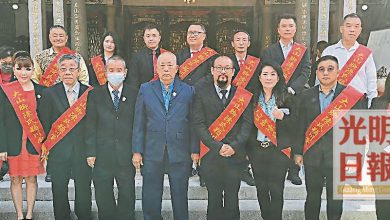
108	135
163	140
63	120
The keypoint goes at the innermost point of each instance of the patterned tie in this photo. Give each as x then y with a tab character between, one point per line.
241	63
71	96
116	99
155	75
223	92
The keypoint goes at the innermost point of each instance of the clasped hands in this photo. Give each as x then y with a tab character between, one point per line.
226	151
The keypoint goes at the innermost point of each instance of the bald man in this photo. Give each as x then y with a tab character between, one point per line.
163	140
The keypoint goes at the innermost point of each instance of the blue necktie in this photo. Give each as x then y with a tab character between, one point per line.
116	99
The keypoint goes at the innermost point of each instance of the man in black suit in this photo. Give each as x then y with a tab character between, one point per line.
67	157
222	165
108	137
144	62
241	41
318	158
196	35
278	52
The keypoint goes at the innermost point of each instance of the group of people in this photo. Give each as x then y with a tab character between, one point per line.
163	113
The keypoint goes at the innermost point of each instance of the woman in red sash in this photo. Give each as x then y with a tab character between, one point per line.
21	132
269	163
109	46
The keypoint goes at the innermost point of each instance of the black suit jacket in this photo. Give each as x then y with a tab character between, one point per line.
379	103
140	68
53	104
11	130
254	81
307	109
201	71
207	107
108	133
300	76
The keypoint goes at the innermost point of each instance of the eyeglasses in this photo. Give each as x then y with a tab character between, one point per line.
169	66
223	69
72	70
329	69
194	33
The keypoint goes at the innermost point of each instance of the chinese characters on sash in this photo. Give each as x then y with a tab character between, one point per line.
66	122
193	62
50	76
246	72
268	127
26	114
292	60
353	65
228	118
100	70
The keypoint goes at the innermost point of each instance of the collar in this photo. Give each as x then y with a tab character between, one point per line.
238	59
76	87
170	86
339	45
111	89
288	45
332	89
219	89
51	51
200	48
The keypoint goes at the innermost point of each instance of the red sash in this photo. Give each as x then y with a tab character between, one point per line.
66	122
325	121
246	72
228	118
155	74
193	62
26	114
51	74
268	127
100	71
353	65
292	60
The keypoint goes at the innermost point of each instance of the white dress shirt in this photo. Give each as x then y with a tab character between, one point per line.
111	89
218	90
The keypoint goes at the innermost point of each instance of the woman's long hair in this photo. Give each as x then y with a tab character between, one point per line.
116	40
280	89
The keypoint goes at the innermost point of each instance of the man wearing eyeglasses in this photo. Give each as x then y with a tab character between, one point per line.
222	120
313	107
62	116
195	60
45	62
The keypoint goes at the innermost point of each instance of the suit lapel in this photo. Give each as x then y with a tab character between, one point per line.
60	91
177	87
315	101
107	97
231	94
158	91
279	52
83	88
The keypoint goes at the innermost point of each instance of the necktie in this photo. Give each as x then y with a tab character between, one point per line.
71	97
155	75
193	53
116	99
241	63
223	92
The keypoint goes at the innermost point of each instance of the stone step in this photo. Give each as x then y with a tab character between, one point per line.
293	210
195	192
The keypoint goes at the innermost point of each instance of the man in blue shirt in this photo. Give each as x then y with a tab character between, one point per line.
163	141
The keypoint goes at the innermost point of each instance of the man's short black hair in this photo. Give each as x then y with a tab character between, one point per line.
328	57
57	26
151	26
243	31
287	16
351	15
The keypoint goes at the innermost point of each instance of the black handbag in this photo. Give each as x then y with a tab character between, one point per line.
4	168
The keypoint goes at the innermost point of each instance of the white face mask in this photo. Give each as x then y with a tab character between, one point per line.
116	78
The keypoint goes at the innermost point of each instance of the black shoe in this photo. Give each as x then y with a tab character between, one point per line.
294	178
201	182
48	178
247	177
1	178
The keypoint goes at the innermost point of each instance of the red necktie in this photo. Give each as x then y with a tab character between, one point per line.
155	74
241	63
194	53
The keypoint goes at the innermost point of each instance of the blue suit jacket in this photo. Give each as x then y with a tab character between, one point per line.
155	128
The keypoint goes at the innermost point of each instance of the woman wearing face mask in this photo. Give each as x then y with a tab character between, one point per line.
268	141
6	53
109	47
21	132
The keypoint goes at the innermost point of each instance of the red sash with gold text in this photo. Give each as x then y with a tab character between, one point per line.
155	74
353	65
246	72
193	62
325	121
292	60
26	114
100	71
51	74
268	127
66	122
228	118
